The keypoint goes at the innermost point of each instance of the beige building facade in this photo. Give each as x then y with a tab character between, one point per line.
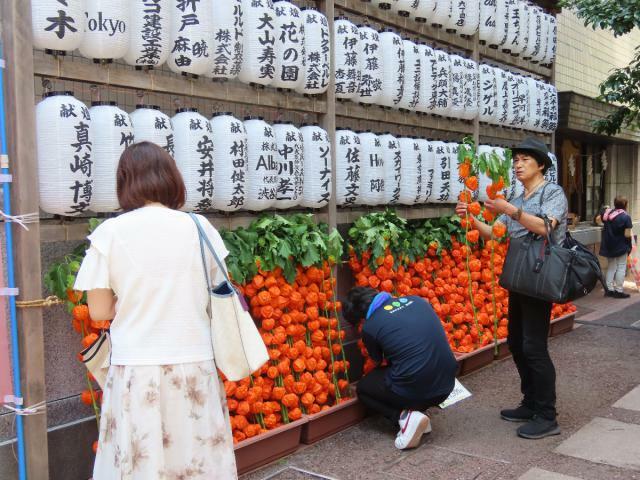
593	168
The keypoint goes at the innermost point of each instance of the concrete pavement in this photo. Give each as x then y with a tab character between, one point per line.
599	413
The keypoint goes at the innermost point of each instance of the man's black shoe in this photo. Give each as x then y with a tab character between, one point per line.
520	414
617	294
609	293
538	427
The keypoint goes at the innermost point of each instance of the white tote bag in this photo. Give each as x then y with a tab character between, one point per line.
238	348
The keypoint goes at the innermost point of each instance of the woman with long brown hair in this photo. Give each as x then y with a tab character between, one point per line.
164	412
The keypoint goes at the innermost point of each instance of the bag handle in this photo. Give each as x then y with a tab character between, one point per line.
205	239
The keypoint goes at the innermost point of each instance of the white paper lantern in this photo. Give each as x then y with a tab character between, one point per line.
370	87
58	26
347	55
149	30
532	97
107	29
112	133
191	37
407	8
466	16
545	25
194	150
424	11
503	19
442	183
262	176
471	89
504	97
151	125
393	68
289	51
553	108
392	158
538	108
552	38
519	101
457	183
483	180
230	158
348	165
317	48
514	34
441	13
412	76
428	172
425	160
317	167
372	175
512	87
488	102
290	159
428	81
259	42
65	156
487	22
228	39
456	109
443	85
551	175
410	171
534	26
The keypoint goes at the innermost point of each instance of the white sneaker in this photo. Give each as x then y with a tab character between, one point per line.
404	413
412	426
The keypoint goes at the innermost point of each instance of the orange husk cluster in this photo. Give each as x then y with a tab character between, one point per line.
306	372
443	281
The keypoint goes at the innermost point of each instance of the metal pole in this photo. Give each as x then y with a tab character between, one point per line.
15	353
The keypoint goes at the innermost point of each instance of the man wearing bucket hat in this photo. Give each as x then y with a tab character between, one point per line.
529	317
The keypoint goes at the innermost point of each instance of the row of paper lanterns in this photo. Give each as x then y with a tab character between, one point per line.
384	69
255	41
384	169
514	26
226	164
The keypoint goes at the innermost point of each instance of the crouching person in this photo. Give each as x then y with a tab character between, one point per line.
420	367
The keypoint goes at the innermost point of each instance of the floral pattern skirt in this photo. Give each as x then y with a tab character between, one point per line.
167	422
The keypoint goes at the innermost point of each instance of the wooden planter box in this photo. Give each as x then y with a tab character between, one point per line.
257	451
562	324
503	349
470	362
333	420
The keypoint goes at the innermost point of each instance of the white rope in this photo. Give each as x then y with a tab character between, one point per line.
21	219
35	409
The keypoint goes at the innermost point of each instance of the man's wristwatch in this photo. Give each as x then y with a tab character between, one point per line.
516	215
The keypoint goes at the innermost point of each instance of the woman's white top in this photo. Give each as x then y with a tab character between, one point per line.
150	258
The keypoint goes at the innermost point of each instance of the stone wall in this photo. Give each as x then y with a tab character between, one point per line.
585	57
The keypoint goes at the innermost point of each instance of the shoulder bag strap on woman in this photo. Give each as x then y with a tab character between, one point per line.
207	242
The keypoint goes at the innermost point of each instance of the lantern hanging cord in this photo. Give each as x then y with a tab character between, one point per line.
21	220
39	303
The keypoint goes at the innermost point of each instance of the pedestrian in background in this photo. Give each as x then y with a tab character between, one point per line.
529	318
616	245
164	412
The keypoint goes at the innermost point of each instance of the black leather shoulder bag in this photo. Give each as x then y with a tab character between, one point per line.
538	268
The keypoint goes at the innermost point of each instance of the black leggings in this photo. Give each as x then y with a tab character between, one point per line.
375	395
528	341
